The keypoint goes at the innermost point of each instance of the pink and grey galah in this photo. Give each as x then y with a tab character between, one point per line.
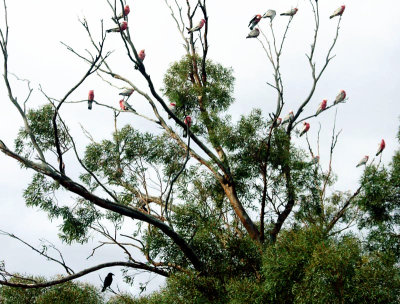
125	12
322	106
288	117
197	27
172	108
253	33
124	26
340	97
90	99
142	56
306	127
278	122
382	146
254	21
188	122
338	12
122	105
363	161
291	12
270	14
127	92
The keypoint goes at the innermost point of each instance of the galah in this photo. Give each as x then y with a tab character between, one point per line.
382	146
188	123
363	161
253	33
172	108
124	26
142	56
288	117
322	106
127	92
314	160
254	21
340	97
90	99
270	14
306	127
124	13
197	27
338	12
122	105
278	122
291	12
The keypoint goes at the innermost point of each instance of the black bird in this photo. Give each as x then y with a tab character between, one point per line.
107	281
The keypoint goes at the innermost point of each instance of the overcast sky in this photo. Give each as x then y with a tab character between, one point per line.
366	66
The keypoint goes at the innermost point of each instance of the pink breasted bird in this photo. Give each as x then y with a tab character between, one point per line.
125	12
142	56
197	27
124	26
122	105
270	14
90	99
291	12
288	117
127	92
338	12
363	161
340	97
188	122
172	108
253	33
322	106
306	127
278	122
254	21
314	160
382	146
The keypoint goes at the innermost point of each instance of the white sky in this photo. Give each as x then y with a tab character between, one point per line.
366	66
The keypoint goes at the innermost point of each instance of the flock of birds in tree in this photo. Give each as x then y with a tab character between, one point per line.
254	33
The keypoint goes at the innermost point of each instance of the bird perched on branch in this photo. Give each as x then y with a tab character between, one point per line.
188	122
125	106
314	160
382	146
124	26
124	13
322	106
340	97
90	99
306	127
363	161
127	92
253	33
288	118
291	12
338	12
254	21
107	281
270	14
277	122
172	108
197	27
142	56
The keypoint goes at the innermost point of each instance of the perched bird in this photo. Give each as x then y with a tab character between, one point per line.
188	122
122	105
253	22
382	146
288	118
340	97
314	160
124	26
338	12
127	92
277	122
172	108
363	161
107	281
254	33
322	106
291	12
270	14
125	12
90	99
197	27
306	127
141	56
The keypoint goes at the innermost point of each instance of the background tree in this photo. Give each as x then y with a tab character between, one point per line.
224	209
